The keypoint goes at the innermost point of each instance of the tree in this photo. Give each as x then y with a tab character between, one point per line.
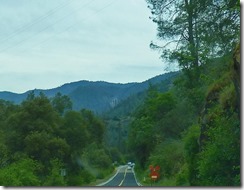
55	178
36	145
21	173
191	146
4	157
170	162
199	29
148	128
35	115
43	146
94	125
141	139
219	161
61	103
74	130
40	136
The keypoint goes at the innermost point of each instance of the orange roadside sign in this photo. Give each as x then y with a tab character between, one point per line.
154	172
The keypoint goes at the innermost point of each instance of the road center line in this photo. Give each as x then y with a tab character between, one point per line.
124	178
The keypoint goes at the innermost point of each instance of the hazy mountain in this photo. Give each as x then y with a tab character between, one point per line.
97	96
128	105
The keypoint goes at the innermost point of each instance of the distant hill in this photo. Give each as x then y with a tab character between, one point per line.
119	118
128	105
97	96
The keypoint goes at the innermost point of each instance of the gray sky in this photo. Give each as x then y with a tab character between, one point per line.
46	43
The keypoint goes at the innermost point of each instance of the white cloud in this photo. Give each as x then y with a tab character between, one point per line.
92	40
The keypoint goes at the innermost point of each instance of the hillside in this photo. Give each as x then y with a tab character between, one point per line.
97	96
119	118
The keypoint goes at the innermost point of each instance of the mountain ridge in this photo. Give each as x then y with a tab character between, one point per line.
97	96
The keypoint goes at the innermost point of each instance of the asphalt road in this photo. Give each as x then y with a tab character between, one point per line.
124	177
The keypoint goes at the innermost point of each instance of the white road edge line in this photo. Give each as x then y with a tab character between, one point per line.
118	169
135	178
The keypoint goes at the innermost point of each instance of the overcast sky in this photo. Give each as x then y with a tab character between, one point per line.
46	43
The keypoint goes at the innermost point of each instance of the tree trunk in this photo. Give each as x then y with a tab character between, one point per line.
192	44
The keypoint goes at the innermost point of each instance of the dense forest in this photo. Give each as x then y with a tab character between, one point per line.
45	143
193	131
118	119
189	125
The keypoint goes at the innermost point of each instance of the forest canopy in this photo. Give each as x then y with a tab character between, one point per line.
42	137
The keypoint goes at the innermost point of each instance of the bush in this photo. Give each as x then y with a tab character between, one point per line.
20	173
55	178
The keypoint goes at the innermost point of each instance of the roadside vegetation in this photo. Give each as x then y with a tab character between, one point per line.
45	143
196	142
193	131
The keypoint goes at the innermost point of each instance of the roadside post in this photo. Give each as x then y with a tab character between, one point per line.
63	172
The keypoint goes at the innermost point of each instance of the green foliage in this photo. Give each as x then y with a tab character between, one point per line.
116	155
197	30
170	162
35	115
75	130
141	138
193	132
37	141
156	120
160	105
220	159
191	147
95	126
228	97
119	118
116	133
78	179
20	173
4	156
171	182
182	177
86	176
97	157
36	145
54	178
61	103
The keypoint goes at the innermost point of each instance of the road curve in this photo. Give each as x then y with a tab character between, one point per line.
123	177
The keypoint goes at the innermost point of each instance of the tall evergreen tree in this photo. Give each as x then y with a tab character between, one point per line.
195	30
